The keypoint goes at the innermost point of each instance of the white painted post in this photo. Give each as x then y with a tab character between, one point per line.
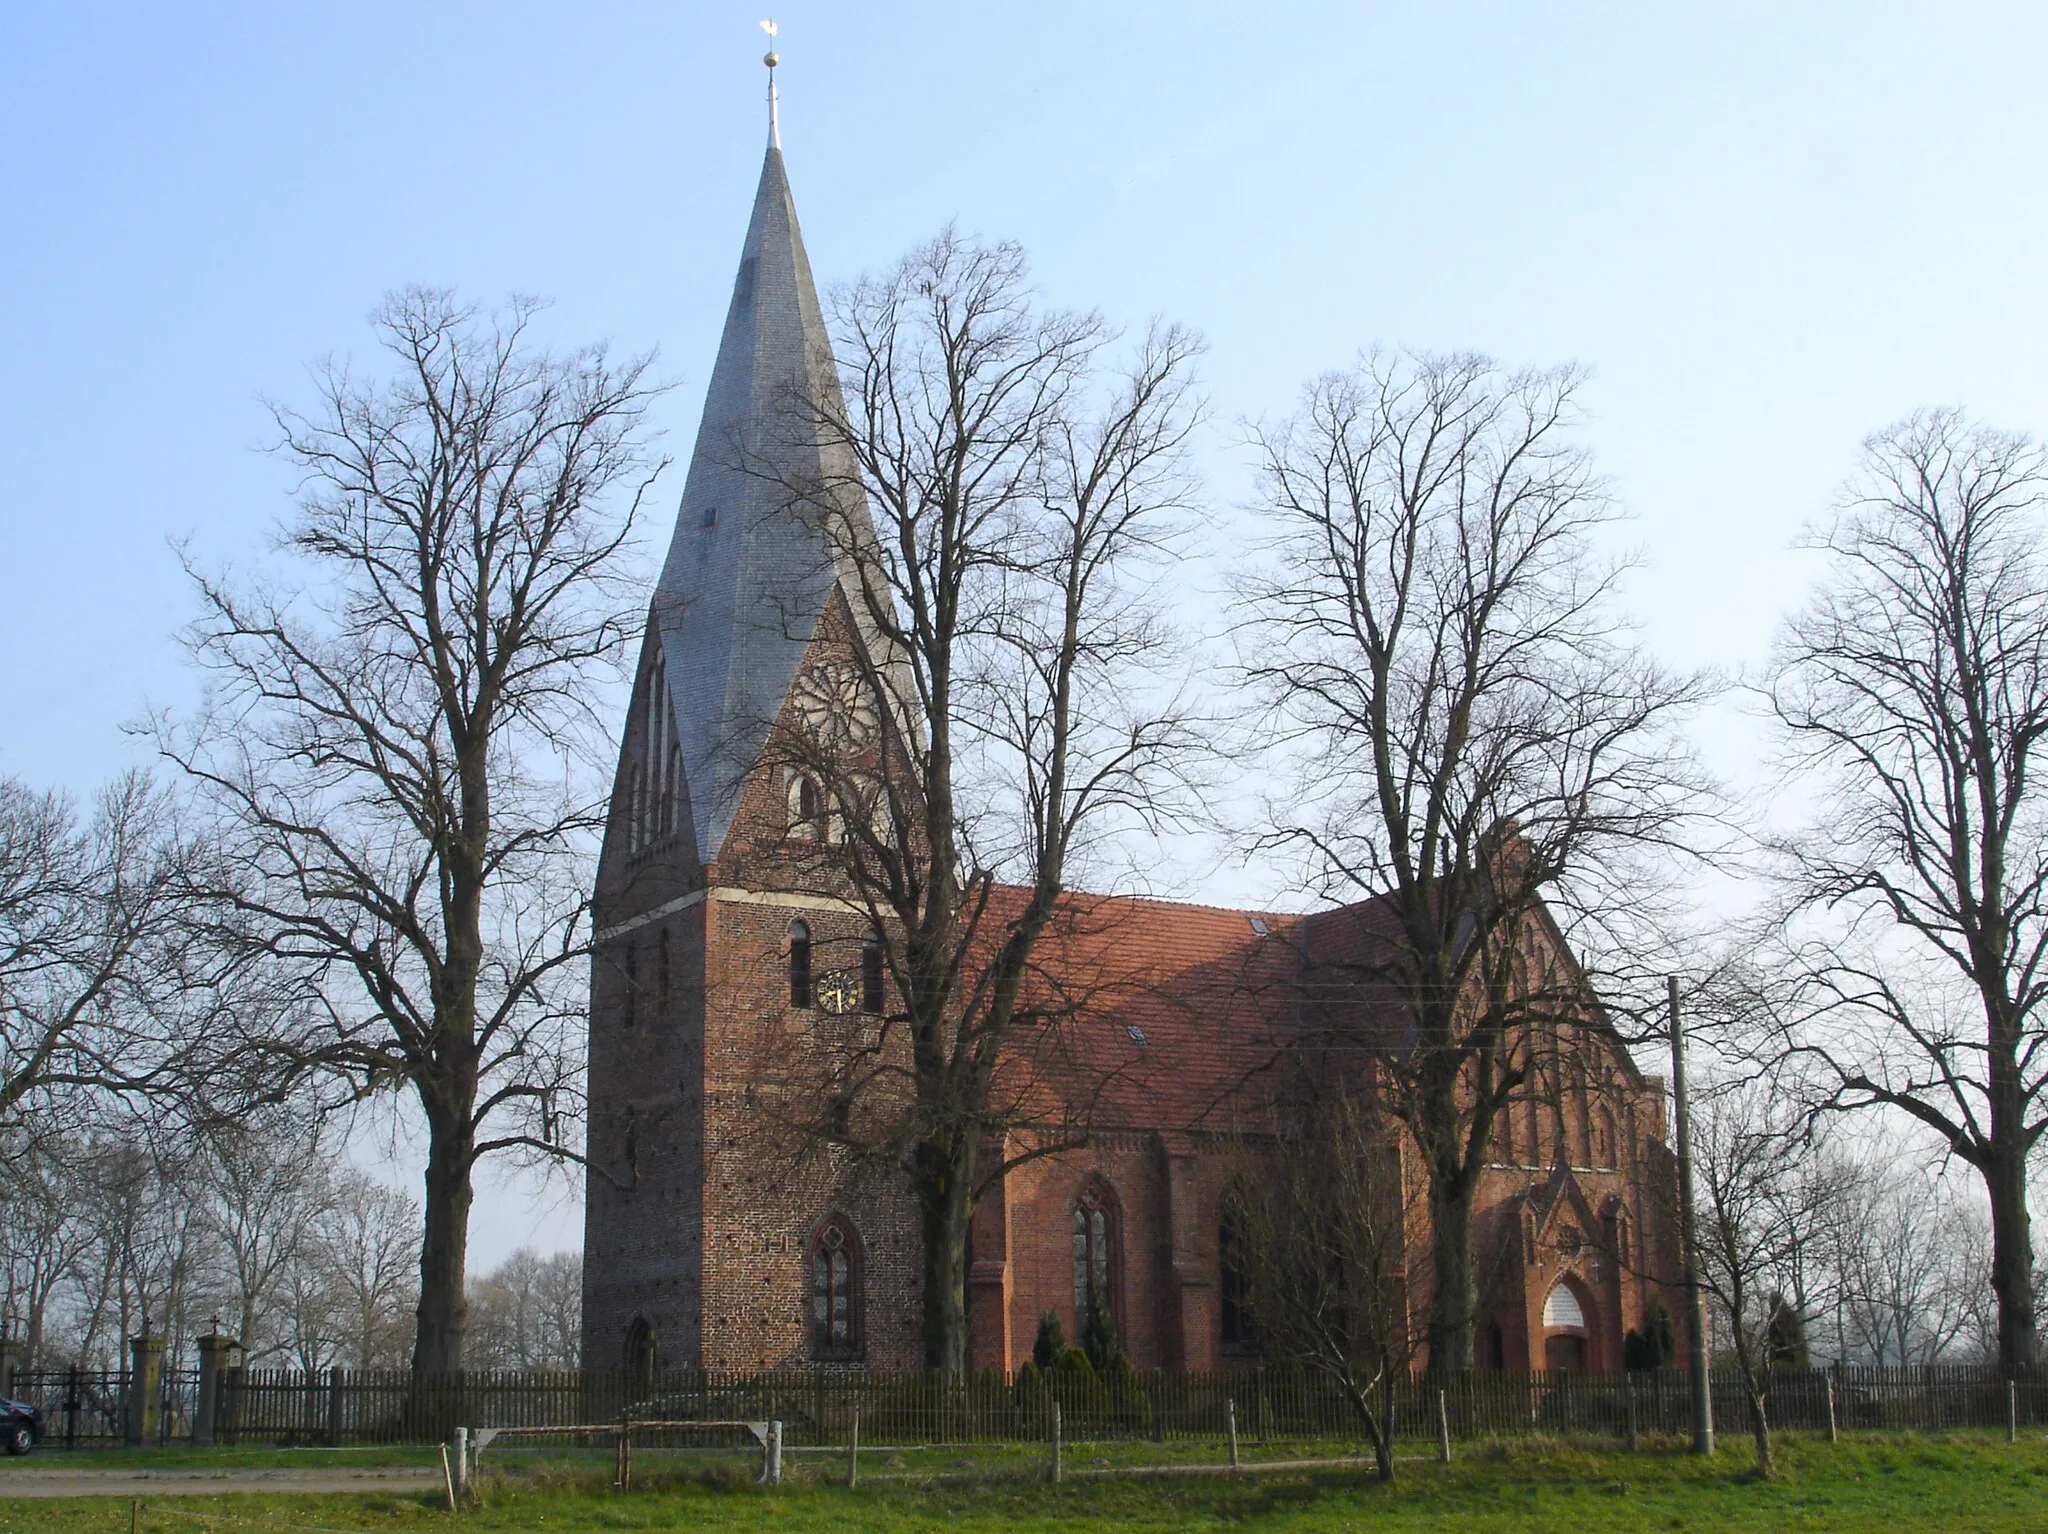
775	1452
1055	1443
1443	1429
458	1457
1833	1436
853	1451
1230	1416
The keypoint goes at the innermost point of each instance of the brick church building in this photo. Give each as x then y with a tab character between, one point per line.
701	1250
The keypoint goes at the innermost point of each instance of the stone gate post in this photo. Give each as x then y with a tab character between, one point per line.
145	1388
214	1353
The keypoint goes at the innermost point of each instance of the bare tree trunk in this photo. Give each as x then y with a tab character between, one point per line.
2012	1263
444	1248
1760	1430
943	1177
1453	1292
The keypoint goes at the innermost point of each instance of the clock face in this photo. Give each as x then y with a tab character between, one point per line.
836	994
835	704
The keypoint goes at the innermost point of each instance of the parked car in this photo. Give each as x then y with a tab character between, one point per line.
20	1425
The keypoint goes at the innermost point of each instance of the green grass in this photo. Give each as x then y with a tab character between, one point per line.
1963	1481
50	1456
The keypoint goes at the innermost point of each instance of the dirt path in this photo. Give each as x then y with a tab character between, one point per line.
210	1483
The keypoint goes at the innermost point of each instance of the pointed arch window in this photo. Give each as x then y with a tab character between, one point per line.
630	966
1095	1253
836	1299
800	989
643	1352
1232	1303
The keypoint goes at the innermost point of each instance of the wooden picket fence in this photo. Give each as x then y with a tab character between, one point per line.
817	1407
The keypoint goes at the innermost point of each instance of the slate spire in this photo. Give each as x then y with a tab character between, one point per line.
746	577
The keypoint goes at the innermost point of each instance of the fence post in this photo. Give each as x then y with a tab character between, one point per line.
1443	1428
853	1449
459	1460
1230	1419
71	1408
2012	1411
1628	1400
1055	1443
1833	1435
623	1455
775	1452
334	1376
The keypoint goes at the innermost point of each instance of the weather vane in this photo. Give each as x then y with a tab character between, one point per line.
771	59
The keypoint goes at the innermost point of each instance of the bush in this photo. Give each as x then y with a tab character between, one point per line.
1050	1343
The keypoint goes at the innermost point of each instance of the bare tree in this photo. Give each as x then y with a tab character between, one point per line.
1908	1263
1472	737
529	1311
45	1231
365	1260
397	750
1760	1212
265	1182
97	971
1011	703
1912	691
1318	1221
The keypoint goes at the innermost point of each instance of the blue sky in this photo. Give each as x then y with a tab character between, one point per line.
1767	229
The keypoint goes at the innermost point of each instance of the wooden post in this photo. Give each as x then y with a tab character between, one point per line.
853	1449
1628	1395
1230	1418
625	1470
334	1411
134	1517
447	1478
1443	1429
2012	1411
458	1455
1055	1443
774	1466
1833	1435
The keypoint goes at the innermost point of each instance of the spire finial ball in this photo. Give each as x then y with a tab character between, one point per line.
771	59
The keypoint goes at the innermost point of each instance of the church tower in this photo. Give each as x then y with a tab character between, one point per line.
696	1253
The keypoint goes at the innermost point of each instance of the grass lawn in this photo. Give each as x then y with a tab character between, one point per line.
1963	1481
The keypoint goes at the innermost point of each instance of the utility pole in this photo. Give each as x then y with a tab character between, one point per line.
1695	1295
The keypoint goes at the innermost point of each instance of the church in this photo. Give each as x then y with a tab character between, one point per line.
702	1251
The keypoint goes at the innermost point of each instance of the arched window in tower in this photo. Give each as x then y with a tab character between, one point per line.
835	1290
629	966
806	808
643	1352
1095	1255
873	977
799	964
636	807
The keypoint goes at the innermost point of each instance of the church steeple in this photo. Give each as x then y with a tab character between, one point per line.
746	577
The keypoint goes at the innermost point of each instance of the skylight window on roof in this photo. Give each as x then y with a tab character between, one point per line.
1137	1034
1259	926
